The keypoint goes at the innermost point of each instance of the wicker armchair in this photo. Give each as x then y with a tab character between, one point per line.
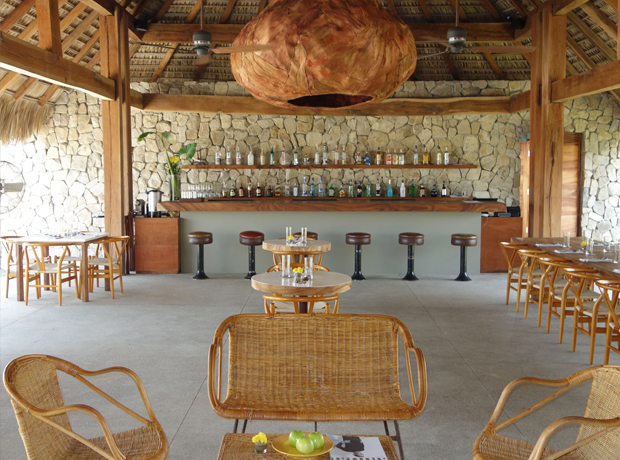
314	368
599	432
42	416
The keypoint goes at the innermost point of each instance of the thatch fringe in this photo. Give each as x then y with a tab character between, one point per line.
20	120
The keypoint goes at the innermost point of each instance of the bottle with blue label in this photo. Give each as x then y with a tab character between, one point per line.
367	159
390	192
312	188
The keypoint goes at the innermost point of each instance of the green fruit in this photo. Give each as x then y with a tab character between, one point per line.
294	436
317	439
305	445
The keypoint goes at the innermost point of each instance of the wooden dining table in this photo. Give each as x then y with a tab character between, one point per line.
550	245
323	284
82	240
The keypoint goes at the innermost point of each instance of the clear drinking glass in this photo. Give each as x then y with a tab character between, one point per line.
304	235
590	246
566	239
309	267
607	246
616	253
289	235
286	266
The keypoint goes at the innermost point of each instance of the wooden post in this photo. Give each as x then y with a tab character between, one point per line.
48	22
547	124
116	122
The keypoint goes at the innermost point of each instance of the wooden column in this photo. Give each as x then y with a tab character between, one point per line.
48	22
116	122
547	124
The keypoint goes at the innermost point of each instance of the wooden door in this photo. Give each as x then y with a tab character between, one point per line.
571	184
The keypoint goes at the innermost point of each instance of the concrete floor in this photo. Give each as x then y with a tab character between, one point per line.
162	326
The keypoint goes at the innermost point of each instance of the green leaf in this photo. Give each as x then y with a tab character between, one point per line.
188	150
168	136
143	135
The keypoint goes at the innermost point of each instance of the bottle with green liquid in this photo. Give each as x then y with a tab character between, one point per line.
412	190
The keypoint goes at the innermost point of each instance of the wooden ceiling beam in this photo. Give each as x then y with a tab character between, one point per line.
614	5
601	19
195	12
226	33
228	11
79	30
388	107
48	22
450	64
23	89
27	59
8	80
462	15
519	7
563	7
589	33
491	60
491	9
604	78
425	10
138	7
163	10
19	12
520	102
164	62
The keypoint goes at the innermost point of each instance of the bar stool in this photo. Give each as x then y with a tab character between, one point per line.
251	239
358	239
464	240
200	238
411	240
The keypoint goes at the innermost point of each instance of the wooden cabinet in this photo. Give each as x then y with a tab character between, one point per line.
157	247
495	230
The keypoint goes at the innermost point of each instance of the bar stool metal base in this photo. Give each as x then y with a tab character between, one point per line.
251	263
463	274
357	275
410	276
200	271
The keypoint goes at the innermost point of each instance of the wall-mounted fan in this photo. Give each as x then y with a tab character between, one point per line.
11	187
457	37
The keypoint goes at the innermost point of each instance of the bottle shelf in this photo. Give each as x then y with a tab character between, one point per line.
306	167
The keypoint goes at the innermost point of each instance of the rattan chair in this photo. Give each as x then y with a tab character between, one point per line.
599	432
10	251
43	418
610	291
510	253
539	287
577	288
590	316
113	249
38	264
527	270
320	368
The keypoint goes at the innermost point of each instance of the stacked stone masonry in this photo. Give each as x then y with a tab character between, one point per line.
64	172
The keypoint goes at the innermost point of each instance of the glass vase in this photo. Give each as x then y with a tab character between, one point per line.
174	180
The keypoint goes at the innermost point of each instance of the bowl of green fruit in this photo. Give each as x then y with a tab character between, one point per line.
298	444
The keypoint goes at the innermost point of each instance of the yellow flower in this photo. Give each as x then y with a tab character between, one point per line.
260	437
174	159
584	243
290	237
298	270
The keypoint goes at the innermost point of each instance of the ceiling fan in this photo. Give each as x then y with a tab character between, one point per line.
457	36
202	44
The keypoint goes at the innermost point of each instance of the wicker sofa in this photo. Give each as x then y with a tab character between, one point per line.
315	368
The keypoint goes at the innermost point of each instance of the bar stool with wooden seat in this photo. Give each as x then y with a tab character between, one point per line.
510	253
200	239
463	240
590	316
358	239
611	289
411	240
251	239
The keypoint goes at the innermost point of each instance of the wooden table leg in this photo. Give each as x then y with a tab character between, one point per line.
106	283
20	273
84	272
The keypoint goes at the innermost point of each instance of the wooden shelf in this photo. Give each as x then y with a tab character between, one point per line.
335	204
330	167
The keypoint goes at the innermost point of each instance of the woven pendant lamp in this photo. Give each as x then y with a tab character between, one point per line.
325	53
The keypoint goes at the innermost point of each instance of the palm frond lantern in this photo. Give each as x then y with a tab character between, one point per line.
325	53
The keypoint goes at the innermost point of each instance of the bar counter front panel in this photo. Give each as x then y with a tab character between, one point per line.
437	257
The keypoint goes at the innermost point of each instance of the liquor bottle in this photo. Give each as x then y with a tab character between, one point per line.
272	160
390	192
434	192
312	188
296	189
336	156
444	190
228	156
425	158
238	157
287	188
250	158
277	191
367	158
351	192
343	158
446	157
388	158
379	157
295	157
283	157
304	188
360	190
403	189
262	157
259	191
232	193
321	189
331	191
305	158
224	191
438	160
249	188
401	158
269	191
368	190
317	156
412	190
358	158
378	188
325	154
416	158
240	193
218	156
422	191
342	192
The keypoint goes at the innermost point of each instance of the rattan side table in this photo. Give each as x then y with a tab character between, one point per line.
239	446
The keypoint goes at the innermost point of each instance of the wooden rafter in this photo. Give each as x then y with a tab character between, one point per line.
519	7
23	89
138	7
462	15
562	7
491	9
163	10
79	30
491	60
193	13
8	80
593	81
615	5
228	11
15	15
164	62
450	64
594	38
48	23
426	11
601	19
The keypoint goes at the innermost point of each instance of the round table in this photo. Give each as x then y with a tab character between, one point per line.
323	284
311	248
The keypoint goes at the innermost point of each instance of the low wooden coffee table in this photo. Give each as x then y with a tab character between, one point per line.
238	446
